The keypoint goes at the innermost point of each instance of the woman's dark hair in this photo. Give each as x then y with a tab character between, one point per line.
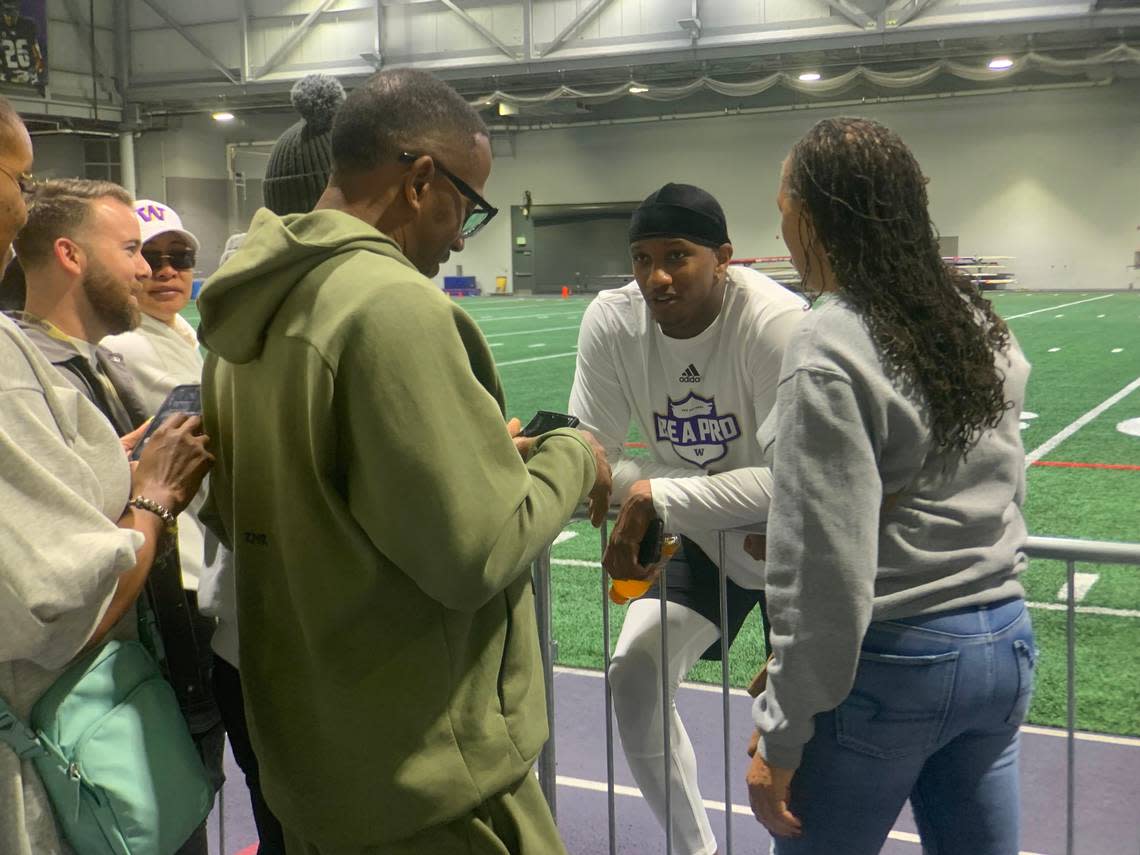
866	199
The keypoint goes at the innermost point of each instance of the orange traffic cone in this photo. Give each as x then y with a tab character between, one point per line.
565	292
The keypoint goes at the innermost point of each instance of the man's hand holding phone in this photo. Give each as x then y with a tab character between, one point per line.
546	421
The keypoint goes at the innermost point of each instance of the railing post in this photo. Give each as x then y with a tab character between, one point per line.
666	718
222	819
610	801
1071	710
547	764
724	646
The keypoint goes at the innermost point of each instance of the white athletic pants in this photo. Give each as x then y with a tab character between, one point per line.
635	675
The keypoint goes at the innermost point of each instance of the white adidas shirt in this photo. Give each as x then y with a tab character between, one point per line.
697	402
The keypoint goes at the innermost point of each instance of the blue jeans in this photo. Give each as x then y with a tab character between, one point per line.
933	716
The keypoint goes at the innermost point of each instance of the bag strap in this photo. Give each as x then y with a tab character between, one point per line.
18	735
174	614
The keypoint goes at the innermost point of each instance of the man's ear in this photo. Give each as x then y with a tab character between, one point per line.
69	255
723	257
418	181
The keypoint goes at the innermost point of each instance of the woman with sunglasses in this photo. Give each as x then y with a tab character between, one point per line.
163	352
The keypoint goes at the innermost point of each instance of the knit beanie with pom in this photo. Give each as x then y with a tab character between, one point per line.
301	160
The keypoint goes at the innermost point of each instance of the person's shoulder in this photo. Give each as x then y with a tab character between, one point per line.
618	309
16	355
133	344
832	337
377	293
762	294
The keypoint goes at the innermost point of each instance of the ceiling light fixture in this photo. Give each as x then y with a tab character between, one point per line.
1000	63
637	90
810	76
223	116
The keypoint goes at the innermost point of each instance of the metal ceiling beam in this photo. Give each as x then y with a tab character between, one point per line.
243	11
294	39
852	13
84	28
528	29
192	40
897	14
480	29
579	21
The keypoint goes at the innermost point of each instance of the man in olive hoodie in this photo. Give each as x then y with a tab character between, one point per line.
382	518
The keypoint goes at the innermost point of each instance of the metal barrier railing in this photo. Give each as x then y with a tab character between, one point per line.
1061	549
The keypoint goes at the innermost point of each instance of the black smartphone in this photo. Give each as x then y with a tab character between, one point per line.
545	421
182	399
649	551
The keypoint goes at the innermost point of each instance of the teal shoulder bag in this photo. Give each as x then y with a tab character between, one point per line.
114	754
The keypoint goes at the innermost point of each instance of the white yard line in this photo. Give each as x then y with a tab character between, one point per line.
1082	584
1066	432
1061	306
535	358
1087	610
710	804
529	332
525	317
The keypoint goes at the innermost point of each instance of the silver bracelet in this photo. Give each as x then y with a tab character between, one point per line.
163	513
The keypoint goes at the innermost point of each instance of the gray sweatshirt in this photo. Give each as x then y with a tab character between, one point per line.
64	481
844	437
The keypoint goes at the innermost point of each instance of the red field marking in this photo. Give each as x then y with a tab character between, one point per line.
1063	464
636	445
249	850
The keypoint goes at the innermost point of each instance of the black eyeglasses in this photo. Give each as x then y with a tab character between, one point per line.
480	215
180	259
24	180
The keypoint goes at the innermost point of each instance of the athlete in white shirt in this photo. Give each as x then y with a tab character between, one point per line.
690	352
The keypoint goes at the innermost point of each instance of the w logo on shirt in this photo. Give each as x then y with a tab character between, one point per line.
695	430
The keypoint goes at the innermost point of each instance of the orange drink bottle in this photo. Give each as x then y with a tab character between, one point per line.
624	590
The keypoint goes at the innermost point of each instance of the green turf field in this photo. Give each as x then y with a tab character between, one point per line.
1084	348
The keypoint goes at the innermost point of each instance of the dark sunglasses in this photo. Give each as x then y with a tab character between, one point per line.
480	215
179	259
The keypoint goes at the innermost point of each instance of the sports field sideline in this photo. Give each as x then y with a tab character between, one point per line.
1084	482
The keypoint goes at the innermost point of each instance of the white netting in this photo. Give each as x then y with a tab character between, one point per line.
899	80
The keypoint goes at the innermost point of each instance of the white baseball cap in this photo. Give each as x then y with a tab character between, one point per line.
156	219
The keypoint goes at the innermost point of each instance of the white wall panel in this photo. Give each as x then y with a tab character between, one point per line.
1048	177
166	51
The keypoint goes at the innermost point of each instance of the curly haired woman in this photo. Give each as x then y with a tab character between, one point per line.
902	649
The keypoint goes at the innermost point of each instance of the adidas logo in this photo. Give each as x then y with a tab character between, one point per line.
690	375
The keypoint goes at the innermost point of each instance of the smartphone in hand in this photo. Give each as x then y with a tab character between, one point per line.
649	551
182	399
545	421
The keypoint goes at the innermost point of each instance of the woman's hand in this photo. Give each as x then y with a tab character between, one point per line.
173	463
130	440
768	793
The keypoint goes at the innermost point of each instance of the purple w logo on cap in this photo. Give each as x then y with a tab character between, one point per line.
151	212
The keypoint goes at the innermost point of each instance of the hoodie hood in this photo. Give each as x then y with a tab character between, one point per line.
239	302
